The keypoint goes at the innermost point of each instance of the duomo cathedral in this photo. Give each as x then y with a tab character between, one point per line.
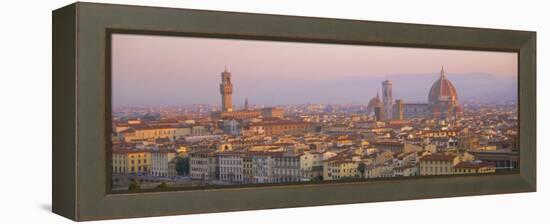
442	103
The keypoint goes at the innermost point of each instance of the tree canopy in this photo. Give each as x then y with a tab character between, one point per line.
182	166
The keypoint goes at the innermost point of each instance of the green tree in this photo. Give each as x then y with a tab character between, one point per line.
182	166
361	168
134	185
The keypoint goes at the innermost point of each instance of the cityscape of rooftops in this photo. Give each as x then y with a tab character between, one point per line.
287	117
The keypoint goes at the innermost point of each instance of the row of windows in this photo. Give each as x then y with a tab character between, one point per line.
138	161
162	132
231	177
287	163
132	169
161	174
116	161
436	162
199	169
286	179
199	175
198	161
335	176
199	156
119	169
465	170
159	169
139	169
343	170
231	162
287	172
230	169
435	169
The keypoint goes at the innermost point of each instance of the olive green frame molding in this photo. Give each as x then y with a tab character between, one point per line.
81	96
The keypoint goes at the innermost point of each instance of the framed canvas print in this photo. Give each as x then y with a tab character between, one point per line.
160	111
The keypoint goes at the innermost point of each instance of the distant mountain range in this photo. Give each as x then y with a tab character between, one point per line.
353	89
484	87
271	90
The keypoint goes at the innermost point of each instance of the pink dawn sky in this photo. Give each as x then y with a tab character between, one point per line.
164	70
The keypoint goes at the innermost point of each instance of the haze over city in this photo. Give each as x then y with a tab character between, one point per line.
192	112
168	71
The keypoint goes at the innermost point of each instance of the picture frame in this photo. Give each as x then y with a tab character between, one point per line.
81	109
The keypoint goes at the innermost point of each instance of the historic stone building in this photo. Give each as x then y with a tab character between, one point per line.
373	103
283	127
443	99
387	99
227	112
416	110
226	89
442	103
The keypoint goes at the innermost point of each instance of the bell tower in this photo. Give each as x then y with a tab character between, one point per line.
387	99
226	90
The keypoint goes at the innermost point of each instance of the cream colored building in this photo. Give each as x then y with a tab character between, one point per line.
155	132
406	171
266	148
438	164
473	167
337	168
119	161
310	159
284	127
419	147
199	130
231	167
200	165
287	168
248	176
160	160
384	157
311	164
131	161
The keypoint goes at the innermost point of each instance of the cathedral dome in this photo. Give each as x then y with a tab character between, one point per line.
374	102
442	90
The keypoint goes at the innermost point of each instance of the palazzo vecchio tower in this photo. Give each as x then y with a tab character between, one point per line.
226	89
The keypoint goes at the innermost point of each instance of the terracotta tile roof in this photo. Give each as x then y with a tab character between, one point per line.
128	131
390	143
263	153
279	122
401	168
153	127
438	157
127	150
